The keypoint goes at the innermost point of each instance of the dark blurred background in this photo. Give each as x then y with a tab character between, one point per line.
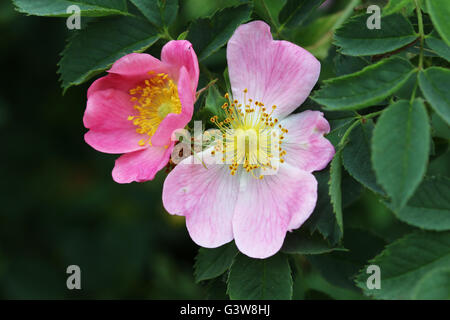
59	204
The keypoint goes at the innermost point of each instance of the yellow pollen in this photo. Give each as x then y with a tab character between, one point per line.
250	137
154	99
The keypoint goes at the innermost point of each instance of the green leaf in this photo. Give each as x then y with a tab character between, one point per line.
92	50
355	39
302	242
439	46
357	154
260	279
214	101
323	218
439	12
394	6
270	10
400	148
338	129
440	128
405	263
209	35
347	64
159	12
366	87
316	37
58	8
435	285
434	84
211	263
335	188
429	208
339	267
295	12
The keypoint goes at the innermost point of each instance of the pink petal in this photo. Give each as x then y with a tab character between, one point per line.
274	72
136	64
106	116
205	196
266	209
305	144
173	121
141	165
178	54
127	72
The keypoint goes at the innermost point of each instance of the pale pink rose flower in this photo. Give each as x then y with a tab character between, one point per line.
222	202
135	109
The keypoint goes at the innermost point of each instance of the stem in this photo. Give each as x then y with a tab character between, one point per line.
421	33
371	115
347	133
166	34
199	92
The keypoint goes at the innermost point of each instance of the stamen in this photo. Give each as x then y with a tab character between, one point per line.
242	119
155	99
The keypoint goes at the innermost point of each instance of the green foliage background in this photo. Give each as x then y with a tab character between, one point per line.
384	199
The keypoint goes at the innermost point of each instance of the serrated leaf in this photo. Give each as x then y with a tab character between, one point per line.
347	64
302	242
439	46
58	8
366	87
295	12
435	285
159	12
400	148
260	279
338	128
210	34
405	262
270	10
434	84
394	6
211	263
439	11
357	154
92	50
339	268
355	39
429	207
323	218
335	191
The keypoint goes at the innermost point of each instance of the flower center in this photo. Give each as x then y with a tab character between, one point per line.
155	99
250	136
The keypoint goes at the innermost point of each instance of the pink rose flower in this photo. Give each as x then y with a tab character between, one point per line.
136	107
226	201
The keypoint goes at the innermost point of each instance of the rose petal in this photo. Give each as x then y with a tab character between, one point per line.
178	54
205	196
106	116
305	144
141	165
127	72
266	209
274	72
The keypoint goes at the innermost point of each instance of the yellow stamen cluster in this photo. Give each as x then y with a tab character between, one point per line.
250	136
154	99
